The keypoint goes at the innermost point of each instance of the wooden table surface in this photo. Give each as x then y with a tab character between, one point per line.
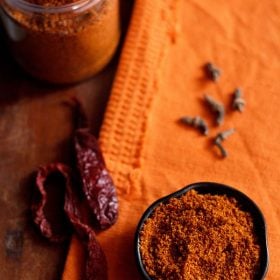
35	129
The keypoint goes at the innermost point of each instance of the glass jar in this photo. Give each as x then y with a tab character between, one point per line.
62	43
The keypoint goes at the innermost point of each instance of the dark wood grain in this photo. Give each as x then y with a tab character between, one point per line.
35	129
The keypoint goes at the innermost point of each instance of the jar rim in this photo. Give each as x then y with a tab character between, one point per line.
76	7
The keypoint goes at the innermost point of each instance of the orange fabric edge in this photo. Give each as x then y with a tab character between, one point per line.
134	86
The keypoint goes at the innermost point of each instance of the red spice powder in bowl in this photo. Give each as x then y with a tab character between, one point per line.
204	231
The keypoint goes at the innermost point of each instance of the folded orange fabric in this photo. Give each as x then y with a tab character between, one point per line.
159	80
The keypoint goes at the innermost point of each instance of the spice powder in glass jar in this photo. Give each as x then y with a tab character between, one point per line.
62	41
200	236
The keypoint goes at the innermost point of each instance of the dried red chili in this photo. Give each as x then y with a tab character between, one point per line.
97	183
39	204
96	265
98	189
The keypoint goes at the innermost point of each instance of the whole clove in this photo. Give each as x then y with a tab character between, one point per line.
217	108
212	72
220	137
238	101
223	151
196	122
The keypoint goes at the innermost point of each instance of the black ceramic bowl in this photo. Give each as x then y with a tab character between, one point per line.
215	189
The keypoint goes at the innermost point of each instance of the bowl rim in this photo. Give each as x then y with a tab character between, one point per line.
211	188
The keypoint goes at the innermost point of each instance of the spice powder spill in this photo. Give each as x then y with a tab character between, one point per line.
200	236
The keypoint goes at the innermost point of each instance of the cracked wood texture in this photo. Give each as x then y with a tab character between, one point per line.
35	129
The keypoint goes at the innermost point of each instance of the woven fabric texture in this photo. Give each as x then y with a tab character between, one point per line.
160	79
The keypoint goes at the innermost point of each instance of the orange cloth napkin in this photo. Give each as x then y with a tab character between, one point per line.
159	80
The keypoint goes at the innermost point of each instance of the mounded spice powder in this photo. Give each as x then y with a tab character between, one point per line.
200	236
58	44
